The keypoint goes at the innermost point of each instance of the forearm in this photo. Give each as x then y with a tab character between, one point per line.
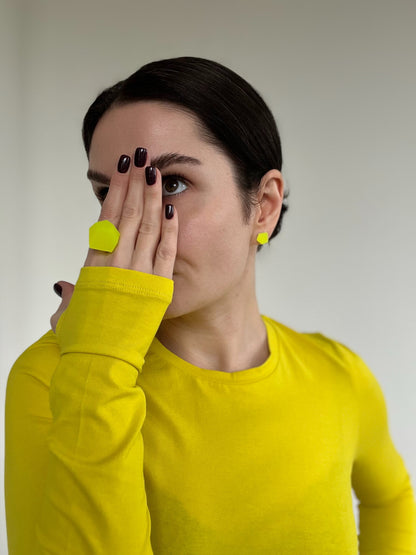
94	499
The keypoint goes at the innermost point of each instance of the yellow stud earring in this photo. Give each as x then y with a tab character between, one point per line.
263	238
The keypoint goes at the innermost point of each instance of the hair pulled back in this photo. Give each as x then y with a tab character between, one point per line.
230	114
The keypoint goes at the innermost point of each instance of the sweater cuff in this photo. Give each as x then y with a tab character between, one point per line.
114	312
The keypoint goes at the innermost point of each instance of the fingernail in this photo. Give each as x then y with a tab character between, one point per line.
58	289
123	163
140	157
150	175
169	211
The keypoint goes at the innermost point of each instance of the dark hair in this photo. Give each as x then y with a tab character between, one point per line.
231	115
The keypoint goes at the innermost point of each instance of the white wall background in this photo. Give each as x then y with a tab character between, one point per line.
341	81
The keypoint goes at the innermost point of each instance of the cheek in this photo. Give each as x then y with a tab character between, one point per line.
212	238
193	238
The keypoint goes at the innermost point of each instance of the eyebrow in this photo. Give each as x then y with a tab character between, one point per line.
161	162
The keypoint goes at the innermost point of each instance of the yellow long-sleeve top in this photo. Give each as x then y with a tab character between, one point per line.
115	445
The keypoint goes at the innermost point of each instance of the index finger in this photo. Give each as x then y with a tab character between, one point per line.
113	204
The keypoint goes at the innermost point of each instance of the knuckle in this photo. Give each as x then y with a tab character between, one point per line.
130	212
147	227
170	226
166	252
108	213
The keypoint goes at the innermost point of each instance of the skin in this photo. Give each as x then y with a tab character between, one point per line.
213	321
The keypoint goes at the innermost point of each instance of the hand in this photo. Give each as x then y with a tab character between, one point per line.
148	241
67	290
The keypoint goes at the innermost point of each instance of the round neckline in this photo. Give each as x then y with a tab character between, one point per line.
240	376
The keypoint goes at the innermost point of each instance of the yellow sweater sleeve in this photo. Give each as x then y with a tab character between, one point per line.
380	480
94	498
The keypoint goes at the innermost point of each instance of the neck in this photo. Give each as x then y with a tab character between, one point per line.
227	337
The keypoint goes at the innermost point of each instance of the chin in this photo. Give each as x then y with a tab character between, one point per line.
180	306
171	312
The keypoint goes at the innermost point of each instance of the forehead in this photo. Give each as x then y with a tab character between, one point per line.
158	126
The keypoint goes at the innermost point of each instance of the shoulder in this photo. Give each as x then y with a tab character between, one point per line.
314	343
321	353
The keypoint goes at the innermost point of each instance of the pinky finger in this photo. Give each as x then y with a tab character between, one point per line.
166	251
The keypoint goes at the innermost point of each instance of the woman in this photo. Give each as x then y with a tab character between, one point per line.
162	413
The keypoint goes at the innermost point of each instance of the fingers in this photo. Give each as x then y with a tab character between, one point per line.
157	237
150	226
134	204
131	214
67	291
167	249
111	210
113	205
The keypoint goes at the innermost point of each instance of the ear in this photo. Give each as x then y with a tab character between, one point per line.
270	199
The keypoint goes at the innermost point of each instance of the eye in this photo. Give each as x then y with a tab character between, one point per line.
170	182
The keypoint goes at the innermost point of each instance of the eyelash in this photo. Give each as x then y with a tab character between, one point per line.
102	191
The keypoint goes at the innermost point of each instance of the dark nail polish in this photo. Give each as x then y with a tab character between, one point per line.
123	163
140	157
169	211
58	289
150	175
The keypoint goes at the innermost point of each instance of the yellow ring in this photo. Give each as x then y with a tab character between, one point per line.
104	236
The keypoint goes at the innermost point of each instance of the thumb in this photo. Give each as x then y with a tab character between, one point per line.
64	289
